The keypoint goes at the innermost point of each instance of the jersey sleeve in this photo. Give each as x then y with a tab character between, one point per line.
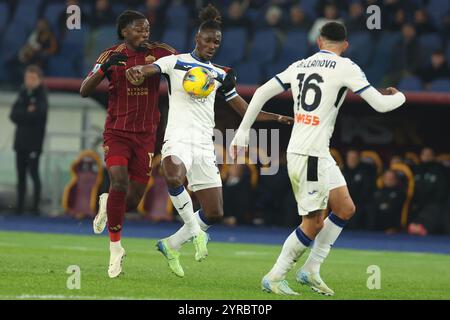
284	78
228	87
355	79
100	60
166	64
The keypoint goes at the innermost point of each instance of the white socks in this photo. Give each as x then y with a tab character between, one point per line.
294	246
115	246
183	203
331	230
183	235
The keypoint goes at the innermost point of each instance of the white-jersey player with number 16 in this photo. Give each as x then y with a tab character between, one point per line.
319	85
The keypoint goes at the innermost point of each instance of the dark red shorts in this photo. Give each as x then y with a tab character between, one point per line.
133	150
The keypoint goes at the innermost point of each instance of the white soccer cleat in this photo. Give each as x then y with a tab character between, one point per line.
314	281
116	262
277	287
100	219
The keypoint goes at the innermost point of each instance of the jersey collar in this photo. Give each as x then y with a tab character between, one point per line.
326	51
198	58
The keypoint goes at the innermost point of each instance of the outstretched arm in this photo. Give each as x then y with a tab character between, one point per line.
240	106
383	103
263	94
136	73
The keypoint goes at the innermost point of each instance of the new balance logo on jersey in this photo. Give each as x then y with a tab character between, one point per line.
306	119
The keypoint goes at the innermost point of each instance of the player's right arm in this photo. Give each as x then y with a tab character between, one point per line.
162	65
355	79
100	69
270	89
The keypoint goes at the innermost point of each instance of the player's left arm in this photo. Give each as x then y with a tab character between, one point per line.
240	106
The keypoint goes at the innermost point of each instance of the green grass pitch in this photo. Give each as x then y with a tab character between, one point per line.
33	266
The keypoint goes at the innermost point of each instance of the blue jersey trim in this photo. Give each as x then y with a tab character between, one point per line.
362	89
285	86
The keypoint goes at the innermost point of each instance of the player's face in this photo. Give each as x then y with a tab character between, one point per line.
207	43
137	32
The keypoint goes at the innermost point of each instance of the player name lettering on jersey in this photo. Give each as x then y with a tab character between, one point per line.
318	63
140	91
307	119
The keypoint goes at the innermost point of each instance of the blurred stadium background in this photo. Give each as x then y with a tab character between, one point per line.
397	165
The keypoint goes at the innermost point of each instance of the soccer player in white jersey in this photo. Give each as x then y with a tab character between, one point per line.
319	85
188	149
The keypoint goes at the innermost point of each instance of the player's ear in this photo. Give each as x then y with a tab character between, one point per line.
345	46
319	42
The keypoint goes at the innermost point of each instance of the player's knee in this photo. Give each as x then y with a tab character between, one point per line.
347	211
173	180
119	185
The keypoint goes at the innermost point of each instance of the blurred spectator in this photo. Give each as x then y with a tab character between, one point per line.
407	55
102	14
340	5
330	13
356	20
29	114
273	18
446	26
237	195
428	206
155	11
298	21
385	212
396	159
360	178
235	16
435	69
40	45
396	21
422	22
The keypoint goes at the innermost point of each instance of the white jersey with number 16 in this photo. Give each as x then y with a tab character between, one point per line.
319	85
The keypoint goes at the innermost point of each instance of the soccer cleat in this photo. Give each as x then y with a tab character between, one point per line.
116	262
314	281
172	257
100	219
277	287
200	241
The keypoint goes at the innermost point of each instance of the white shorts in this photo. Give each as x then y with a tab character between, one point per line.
200	163
312	179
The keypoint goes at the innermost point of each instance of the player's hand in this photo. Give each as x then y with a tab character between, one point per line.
391	90
117	59
239	144
285	120
134	74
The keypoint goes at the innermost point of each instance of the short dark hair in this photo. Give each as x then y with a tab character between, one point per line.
127	17
33	68
210	17
334	31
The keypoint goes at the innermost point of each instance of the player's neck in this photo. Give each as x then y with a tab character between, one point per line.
332	50
195	55
131	48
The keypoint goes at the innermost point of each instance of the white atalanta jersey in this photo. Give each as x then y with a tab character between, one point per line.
319	85
190	119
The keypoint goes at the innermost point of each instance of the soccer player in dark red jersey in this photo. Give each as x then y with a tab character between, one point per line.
130	127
